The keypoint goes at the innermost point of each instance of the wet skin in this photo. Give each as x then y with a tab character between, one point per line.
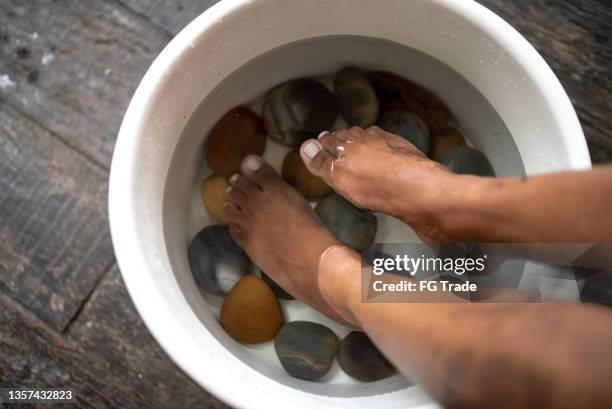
465	355
385	173
289	252
377	171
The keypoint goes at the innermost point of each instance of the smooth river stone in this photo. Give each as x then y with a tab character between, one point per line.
443	141
416	99
240	132
277	289
352	226
306	349
390	104
356	98
298	110
468	161
409	126
360	359
216	261
297	175
251	313
213	196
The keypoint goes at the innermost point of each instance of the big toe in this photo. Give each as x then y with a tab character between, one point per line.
259	172
317	159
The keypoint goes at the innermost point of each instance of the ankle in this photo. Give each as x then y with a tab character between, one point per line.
340	280
459	207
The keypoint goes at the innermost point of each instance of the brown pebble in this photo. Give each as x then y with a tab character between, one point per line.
213	196
415	98
239	133
360	359
443	141
391	104
250	312
297	175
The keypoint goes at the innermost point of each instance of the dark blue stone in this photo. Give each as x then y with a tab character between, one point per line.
306	349
216	261
352	226
467	161
298	110
409	126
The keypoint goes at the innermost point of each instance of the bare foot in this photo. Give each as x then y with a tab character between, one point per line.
279	231
384	173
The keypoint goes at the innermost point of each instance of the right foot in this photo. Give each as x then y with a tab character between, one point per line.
382	172
283	236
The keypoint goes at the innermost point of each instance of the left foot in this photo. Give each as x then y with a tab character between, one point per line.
279	231
384	173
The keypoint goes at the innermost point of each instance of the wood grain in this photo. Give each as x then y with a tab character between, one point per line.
54	237
575	38
84	60
172	15
110	328
119	367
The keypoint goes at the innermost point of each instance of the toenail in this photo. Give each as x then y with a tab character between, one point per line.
228	189
234	177
322	134
253	163
311	149
227	205
355	130
342	136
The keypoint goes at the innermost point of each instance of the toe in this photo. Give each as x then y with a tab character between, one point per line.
235	195
238	233
330	142
244	185
374	130
317	159
259	172
357	132
237	225
232	212
341	135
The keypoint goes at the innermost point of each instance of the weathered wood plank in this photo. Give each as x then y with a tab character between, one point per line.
72	66
172	15
575	38
54	237
33	357
110	328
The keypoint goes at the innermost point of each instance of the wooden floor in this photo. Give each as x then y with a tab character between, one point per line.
67	71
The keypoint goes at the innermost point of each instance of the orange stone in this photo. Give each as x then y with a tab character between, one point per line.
213	196
239	133
443	141
250	312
